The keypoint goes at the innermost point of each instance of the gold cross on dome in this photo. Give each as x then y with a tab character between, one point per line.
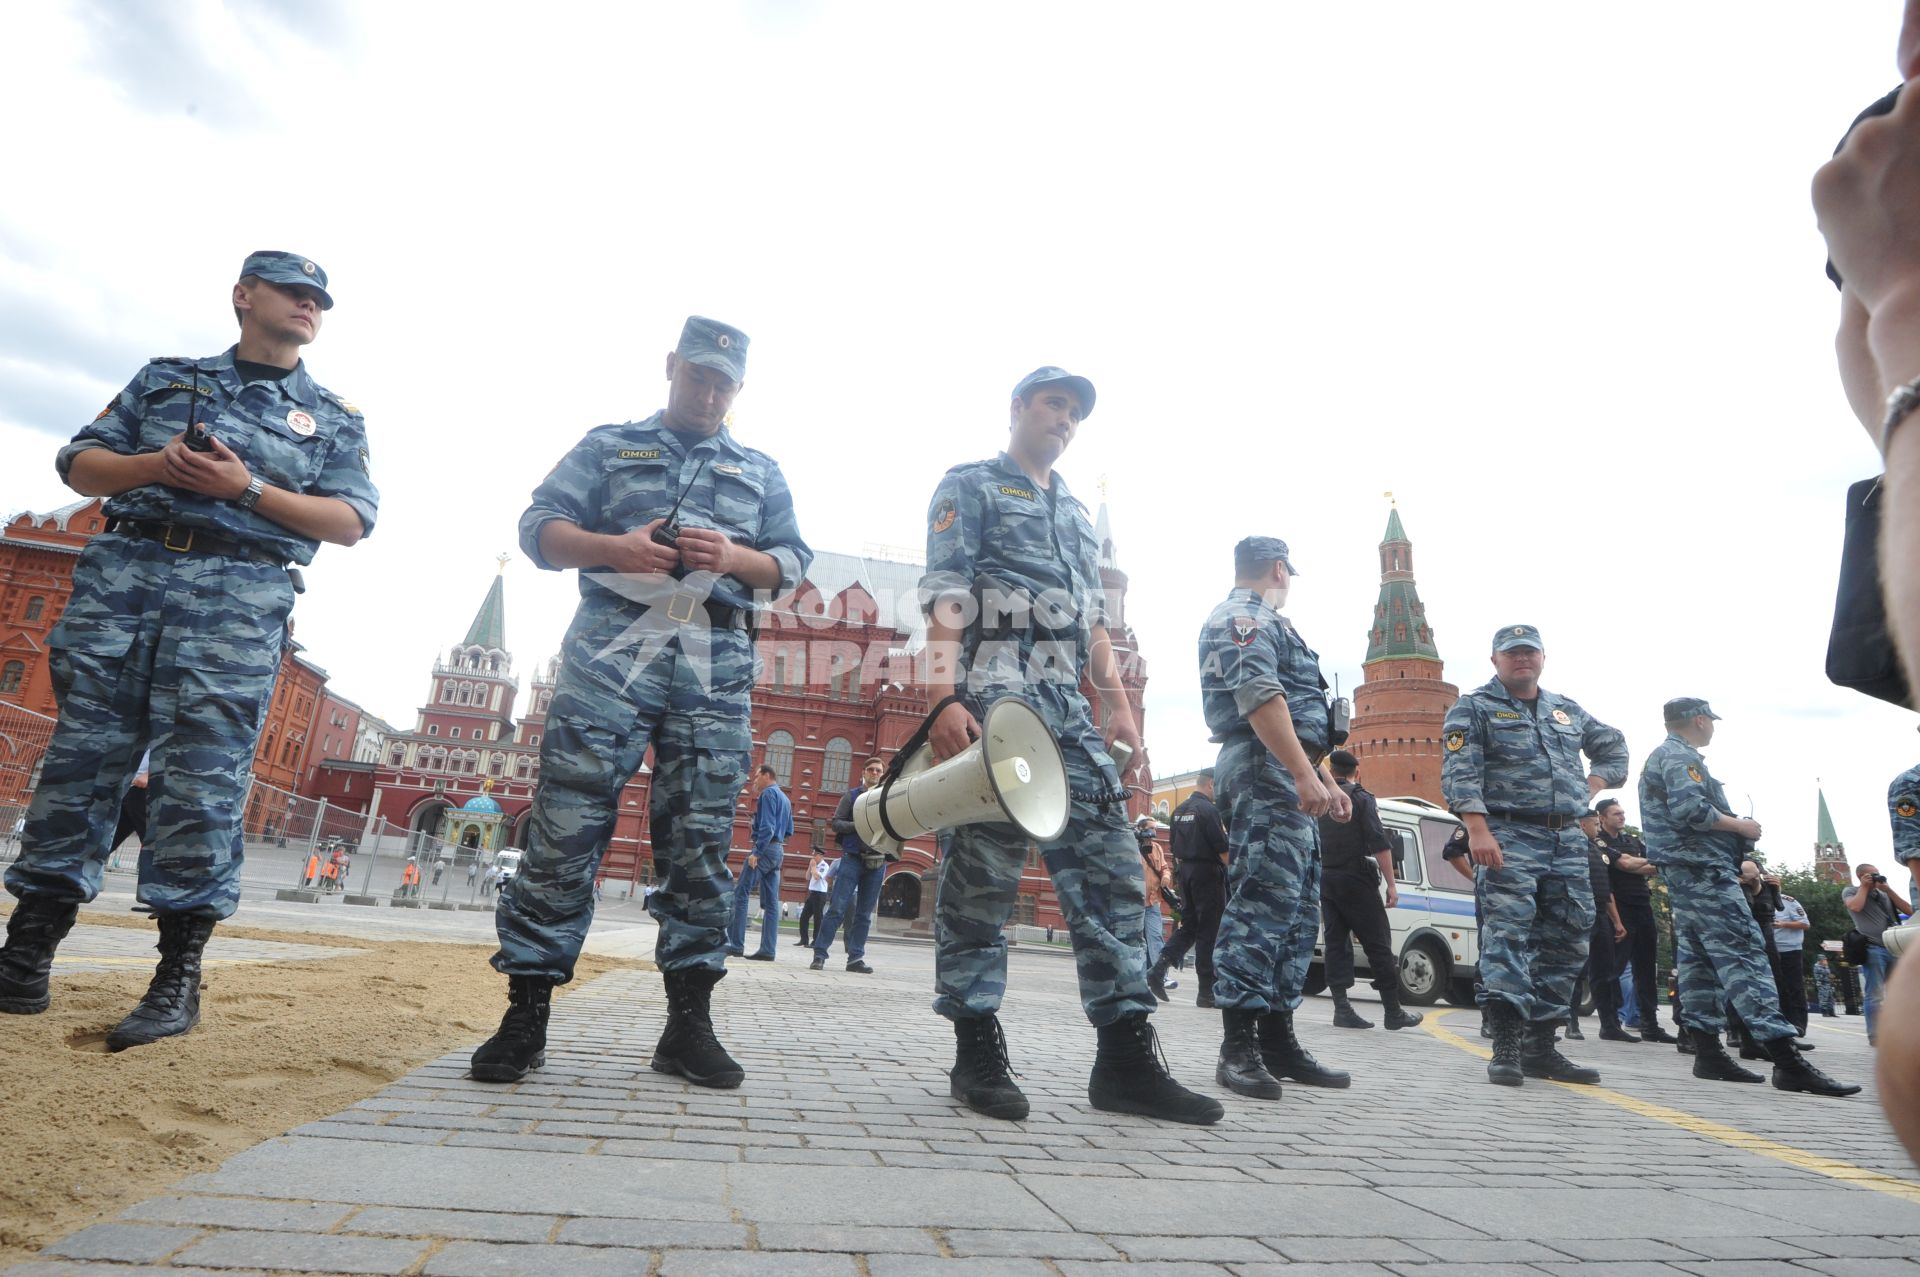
502	561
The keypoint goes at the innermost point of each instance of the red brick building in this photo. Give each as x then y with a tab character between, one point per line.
1398	709
837	685
37	557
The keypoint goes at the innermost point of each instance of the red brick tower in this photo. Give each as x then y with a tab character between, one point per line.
1398	710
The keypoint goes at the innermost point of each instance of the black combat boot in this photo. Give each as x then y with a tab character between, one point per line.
1611	1031
688	1046
1398	1017
520	1044
1204	997
1344	1016
172	1002
1684	1043
1157	979
1241	1069
35	928
1285	1057
1711	1061
1651	1031
1539	1059
1503	1020
982	1076
1573	1029
1130	1075
1794	1072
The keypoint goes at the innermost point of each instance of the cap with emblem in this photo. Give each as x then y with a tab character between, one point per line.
1257	550
715	345
1508	637
1048	376
1681	708
277	267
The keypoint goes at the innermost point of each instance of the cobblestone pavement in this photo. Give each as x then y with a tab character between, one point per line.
104	948
842	1155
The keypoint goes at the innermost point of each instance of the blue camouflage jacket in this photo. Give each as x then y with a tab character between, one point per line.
1679	803
295	434
988	517
1903	809
1503	754
622	477
1250	654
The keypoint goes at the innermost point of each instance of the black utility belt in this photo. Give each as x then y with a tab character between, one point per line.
680	609
1544	819
182	539
1315	756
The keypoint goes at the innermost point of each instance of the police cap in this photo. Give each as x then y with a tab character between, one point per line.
1681	708
1508	637
1048	376
277	267
1256	550
715	345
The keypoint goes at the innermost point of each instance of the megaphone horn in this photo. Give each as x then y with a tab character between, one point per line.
1014	774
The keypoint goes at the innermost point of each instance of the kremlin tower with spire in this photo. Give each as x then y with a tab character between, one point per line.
1398	709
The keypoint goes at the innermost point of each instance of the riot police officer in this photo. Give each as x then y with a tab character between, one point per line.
219	473
678	528
1014	608
1261	691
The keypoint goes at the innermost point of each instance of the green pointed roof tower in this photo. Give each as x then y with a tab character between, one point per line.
1829	853
489	628
1400	630
1826	831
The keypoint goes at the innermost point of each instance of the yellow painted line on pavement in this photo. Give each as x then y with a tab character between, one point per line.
80	960
1832	1168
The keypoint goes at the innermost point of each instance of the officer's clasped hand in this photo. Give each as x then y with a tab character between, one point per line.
952	732
217	472
637	552
705	550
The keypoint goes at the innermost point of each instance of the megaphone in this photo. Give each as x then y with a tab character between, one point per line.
1898	939
1014	773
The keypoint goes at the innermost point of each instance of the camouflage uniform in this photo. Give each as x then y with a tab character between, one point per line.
1903	810
178	649
1718	947
1505	759
1249	654
634	674
1031	639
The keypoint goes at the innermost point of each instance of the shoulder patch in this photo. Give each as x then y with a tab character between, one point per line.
1243	629
1456	741
943	517
1693	774
1906	808
106	411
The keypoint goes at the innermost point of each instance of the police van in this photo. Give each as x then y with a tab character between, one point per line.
1434	932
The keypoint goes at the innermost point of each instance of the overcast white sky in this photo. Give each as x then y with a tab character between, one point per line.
1547	272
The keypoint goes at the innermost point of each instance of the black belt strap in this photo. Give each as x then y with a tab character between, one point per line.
182	539
1544	819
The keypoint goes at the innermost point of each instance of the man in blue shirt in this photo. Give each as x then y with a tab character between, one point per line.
772	826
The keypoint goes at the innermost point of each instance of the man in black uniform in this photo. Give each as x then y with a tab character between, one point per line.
1354	856
1602	976
1200	855
1629	873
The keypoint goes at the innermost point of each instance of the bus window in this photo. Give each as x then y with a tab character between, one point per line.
1440	872
1402	841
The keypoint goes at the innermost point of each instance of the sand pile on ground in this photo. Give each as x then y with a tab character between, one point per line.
86	1133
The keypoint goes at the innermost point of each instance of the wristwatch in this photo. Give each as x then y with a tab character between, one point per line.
251	497
1900	405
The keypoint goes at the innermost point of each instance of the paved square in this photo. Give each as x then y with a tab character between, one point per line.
843	1154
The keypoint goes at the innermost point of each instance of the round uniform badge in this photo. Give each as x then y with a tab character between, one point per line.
1560	717
724	341
301	423
307	268
1907	808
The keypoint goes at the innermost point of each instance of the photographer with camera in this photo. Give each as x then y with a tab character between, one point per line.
1875	907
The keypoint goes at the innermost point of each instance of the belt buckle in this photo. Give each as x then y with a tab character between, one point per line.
680	608
167	540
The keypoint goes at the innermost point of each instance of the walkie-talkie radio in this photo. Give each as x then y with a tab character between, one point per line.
668	533
197	437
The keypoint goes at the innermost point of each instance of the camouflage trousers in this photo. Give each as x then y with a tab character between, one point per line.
1267	932
177	651
1536	918
1720	953
1096	872
614	698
